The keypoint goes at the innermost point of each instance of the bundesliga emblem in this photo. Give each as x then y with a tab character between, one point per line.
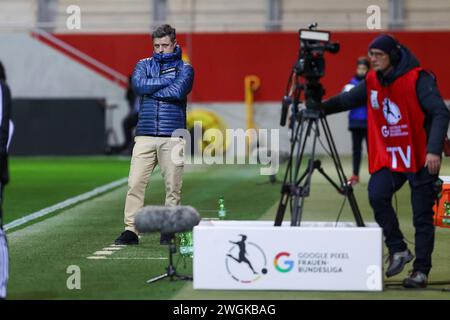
391	112
246	262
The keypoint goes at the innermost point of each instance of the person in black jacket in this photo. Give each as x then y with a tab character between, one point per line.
406	108
131	120
5	116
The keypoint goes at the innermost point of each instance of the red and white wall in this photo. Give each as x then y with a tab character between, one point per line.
37	68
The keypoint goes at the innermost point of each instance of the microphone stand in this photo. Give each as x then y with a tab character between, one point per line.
171	270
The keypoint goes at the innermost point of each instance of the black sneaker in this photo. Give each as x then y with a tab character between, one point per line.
166	238
397	262
416	280
127	238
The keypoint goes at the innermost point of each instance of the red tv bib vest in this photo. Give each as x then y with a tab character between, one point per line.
396	136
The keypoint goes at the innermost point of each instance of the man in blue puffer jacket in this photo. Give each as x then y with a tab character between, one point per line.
357	119
163	83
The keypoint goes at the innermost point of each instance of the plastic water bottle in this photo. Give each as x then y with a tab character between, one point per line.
222	213
182	240
189	244
186	244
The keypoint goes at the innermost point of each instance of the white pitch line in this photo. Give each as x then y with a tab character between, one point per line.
65	204
106	251
96	257
137	258
103	253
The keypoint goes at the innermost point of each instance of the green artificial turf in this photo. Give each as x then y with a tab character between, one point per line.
41	252
39	182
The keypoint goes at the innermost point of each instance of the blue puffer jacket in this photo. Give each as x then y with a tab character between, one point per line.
163	83
357	118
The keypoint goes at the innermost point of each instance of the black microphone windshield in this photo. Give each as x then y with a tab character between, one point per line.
166	219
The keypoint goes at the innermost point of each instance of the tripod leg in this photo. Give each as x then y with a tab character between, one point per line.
281	209
285	193
291	190
301	147
355	209
348	190
171	271
297	210
299	192
333	151
184	278
300	215
287	181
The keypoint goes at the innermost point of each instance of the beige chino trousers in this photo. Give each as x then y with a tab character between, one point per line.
168	152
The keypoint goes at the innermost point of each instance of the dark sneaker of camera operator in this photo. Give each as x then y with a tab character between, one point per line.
407	124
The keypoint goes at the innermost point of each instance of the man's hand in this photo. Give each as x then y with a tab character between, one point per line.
433	163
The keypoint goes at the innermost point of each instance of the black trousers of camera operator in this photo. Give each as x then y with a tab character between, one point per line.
382	186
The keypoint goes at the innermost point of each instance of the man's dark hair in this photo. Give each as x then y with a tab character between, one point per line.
165	30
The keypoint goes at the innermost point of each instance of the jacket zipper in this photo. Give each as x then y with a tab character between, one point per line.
157	118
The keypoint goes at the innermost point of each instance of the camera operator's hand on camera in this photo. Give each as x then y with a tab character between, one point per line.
433	163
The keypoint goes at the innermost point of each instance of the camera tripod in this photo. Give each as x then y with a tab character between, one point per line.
296	187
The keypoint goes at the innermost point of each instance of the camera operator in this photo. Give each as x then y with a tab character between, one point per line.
407	123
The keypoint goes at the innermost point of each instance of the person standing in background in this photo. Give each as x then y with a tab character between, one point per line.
357	119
